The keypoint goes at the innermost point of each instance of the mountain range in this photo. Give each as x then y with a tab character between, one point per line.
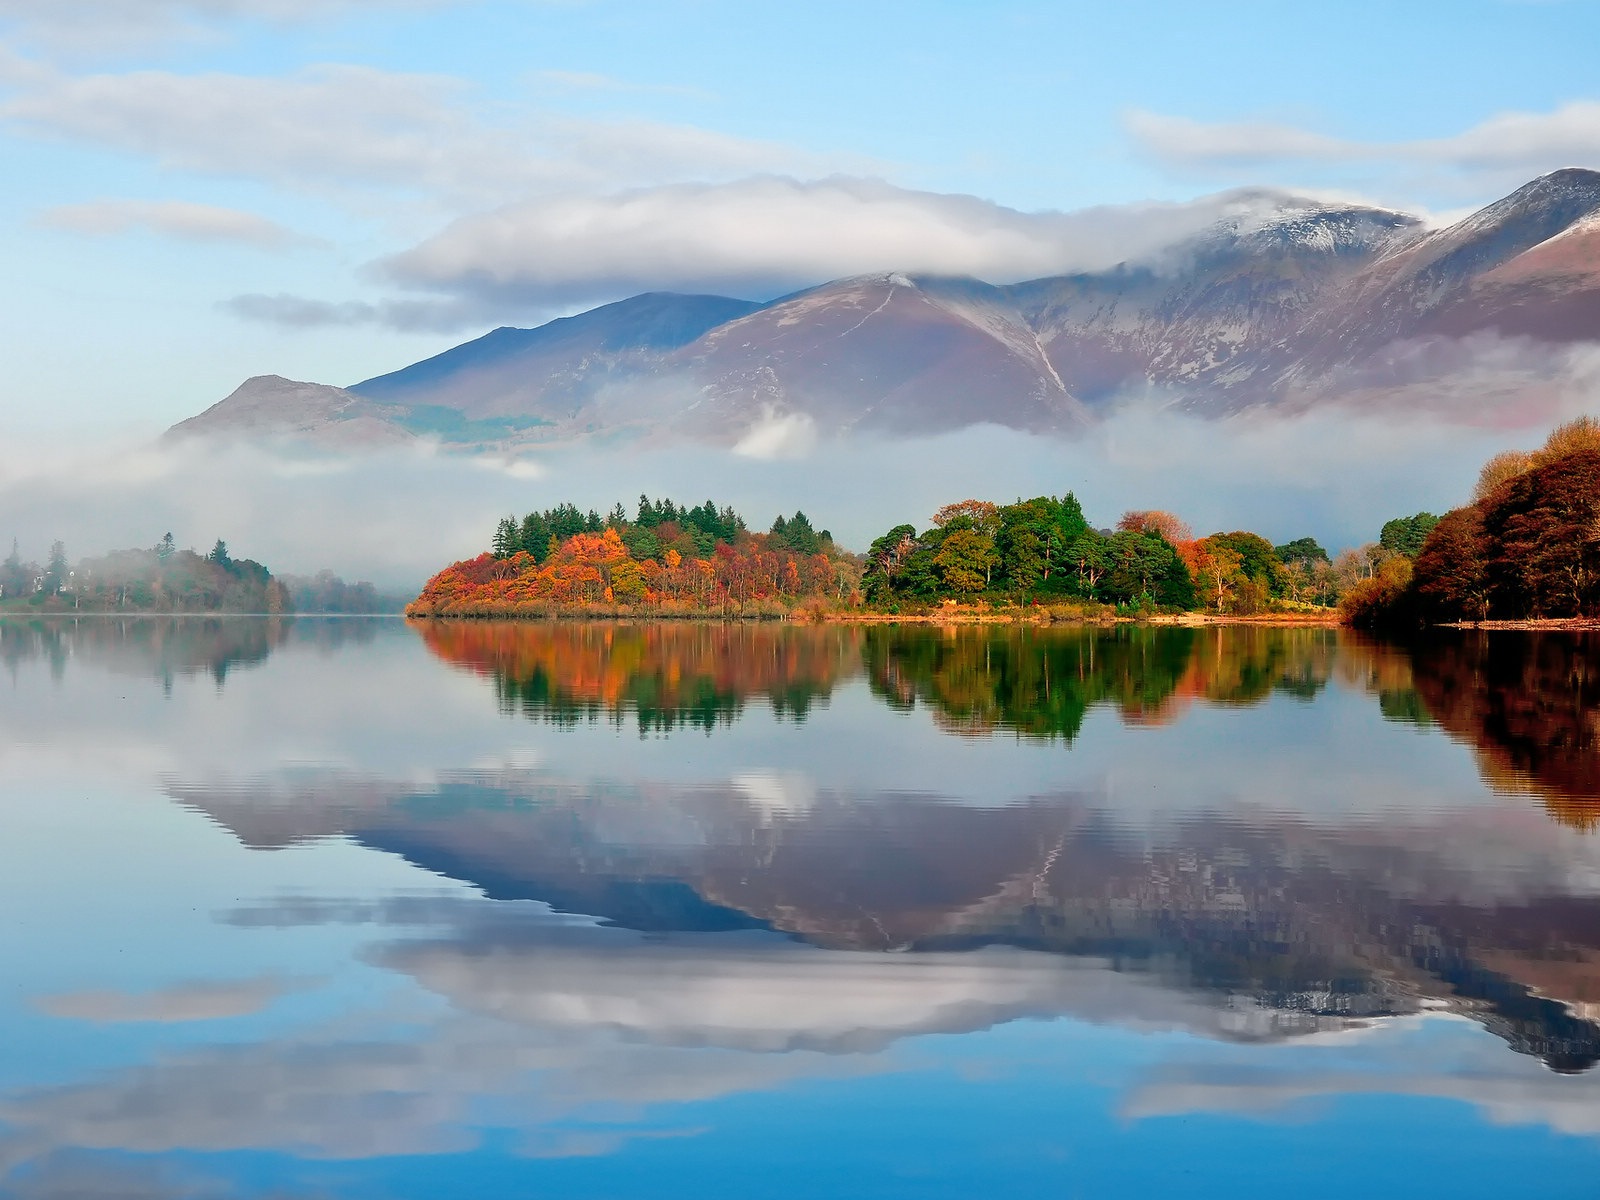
1300	304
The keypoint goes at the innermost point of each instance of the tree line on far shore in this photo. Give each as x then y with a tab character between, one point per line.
1043	551
668	557
165	578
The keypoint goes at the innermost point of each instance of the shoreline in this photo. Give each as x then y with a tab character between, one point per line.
1556	624
944	618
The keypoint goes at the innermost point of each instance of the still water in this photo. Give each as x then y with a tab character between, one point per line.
361	909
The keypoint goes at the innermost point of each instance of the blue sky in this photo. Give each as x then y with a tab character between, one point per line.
201	190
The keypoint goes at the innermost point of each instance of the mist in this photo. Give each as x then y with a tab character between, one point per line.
396	516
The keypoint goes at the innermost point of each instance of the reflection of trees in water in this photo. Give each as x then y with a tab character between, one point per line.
668	675
1529	705
1042	682
160	647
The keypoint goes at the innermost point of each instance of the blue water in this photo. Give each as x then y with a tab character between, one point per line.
345	908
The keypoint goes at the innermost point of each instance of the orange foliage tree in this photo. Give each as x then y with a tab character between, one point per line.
597	569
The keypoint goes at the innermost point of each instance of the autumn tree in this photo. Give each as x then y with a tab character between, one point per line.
978	515
1573	437
1542	538
1500	469
1258	562
1451	575
1218	572
1156	521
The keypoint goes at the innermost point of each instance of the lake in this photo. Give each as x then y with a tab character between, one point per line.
357	908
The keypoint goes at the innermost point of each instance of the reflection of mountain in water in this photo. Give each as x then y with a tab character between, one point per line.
1310	927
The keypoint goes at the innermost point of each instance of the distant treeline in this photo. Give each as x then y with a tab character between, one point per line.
162	578
166	579
325	592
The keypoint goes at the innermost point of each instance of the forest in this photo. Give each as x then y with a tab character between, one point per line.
162	578
1041	553
166	579
667	558
1526	547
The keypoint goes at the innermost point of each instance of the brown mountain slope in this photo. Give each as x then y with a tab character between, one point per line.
1292	305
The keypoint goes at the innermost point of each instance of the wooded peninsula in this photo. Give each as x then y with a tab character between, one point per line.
1527	547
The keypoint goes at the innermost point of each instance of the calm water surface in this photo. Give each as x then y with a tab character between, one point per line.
361	909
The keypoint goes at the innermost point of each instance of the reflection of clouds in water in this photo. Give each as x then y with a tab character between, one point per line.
427	1094
776	792
406	908
1509	1089
182	1002
761	994
80	1176
554	1021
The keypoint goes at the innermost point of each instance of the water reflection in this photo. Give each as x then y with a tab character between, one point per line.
1042	682
167	648
400	896
1529	703
1288	927
693	674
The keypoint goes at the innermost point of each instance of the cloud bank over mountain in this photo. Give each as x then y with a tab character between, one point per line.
760	237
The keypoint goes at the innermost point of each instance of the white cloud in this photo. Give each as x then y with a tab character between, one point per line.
760	235
1453	1064
301	312
1516	145
186	1002
341	126
114	25
790	435
176	218
1242	143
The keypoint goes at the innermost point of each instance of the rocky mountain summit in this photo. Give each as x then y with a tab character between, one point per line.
1310	304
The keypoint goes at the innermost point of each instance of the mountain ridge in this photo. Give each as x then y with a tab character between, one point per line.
1308	304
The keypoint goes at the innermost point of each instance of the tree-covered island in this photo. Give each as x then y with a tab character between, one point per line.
1039	558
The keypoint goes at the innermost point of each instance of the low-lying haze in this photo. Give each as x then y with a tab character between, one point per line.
396	516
